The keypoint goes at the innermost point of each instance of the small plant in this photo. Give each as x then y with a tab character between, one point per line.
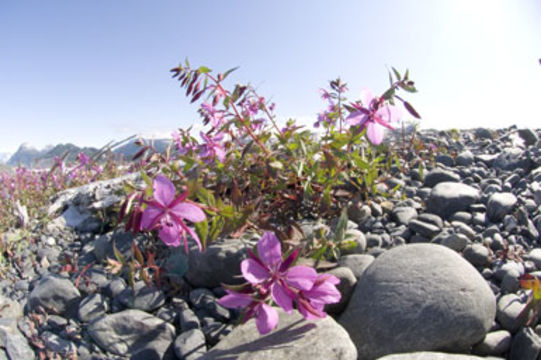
533	305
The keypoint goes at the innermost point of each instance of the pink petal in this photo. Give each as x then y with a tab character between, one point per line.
150	217
356	118
269	250
220	154
280	296
366	98
325	293
193	234
374	133
315	313
266	319
164	190
389	114
253	272
170	233
235	300
301	277
188	211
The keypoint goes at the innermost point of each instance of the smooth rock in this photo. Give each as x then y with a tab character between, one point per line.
142	297
512	159
56	295
465	158
430	355
58	344
295	338
131	332
447	198
422	228
477	255
529	136
509	312
439	175
190	345
357	263
92	307
403	214
219	264
499	205
526	345
410	299
495	343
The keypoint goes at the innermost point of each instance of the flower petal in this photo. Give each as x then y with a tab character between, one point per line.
164	190
388	115
301	277
253	272
374	133
150	217
281	297
266	319
188	211
356	118
170	233
235	300
366	98
269	250
193	234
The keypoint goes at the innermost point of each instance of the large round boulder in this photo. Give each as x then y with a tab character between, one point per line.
447	198
418	297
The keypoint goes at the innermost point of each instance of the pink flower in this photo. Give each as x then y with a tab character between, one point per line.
83	159
216	117
212	147
266	317
374	116
271	273
167	213
311	303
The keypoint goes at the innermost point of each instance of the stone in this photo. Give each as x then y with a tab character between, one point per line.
465	158
454	241
204	300
358	213
190	345
16	345
509	314
445	159
57	344
132	332
188	320
357	263
103	245
346	286
438	175
142	297
499	205
219	264
446	198
430	355
294	338
526	345
92	307
494	344
477	255
482	133
512	159
529	136
358	237
56	295
403	304
403	214
535	256
422	228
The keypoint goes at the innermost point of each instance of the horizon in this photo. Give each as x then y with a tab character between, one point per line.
88	74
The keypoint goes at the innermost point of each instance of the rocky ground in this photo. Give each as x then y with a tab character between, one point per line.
436	271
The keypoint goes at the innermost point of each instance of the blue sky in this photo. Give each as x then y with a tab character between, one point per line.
88	72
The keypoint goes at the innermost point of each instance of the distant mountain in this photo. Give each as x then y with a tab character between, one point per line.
29	156
4	157
131	148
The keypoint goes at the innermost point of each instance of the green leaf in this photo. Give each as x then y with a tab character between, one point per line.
202	231
203	70
118	254
389	94
396	73
146	178
342	225
411	110
230	71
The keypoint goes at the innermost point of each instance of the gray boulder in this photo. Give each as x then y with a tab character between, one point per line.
132	332
439	175
512	159
357	263
294	338
499	205
447	198
220	263
418	297
430	355
56	295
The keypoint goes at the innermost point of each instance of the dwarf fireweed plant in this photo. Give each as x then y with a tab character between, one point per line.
243	170
271	278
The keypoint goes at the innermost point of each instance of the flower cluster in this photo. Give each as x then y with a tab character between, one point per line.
270	277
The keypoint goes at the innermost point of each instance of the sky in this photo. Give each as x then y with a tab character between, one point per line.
88	72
